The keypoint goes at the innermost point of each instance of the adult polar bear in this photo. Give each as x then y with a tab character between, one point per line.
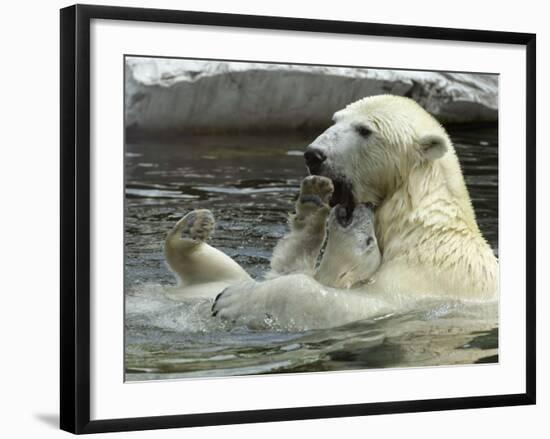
389	151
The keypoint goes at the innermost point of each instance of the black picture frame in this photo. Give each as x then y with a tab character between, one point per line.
75	217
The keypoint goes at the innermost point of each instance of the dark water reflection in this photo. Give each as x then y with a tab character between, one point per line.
250	183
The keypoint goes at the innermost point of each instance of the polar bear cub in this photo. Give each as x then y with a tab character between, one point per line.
352	255
350	259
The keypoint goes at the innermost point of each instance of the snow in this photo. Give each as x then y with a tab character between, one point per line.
186	96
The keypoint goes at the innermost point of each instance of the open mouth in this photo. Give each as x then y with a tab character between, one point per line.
342	194
343	197
344	215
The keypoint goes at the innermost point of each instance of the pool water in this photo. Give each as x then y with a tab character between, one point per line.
250	184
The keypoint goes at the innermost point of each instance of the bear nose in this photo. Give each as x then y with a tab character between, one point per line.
314	158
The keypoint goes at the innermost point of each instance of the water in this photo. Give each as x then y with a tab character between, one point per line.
250	184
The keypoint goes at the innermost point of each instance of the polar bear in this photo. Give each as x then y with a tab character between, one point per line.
351	257
388	151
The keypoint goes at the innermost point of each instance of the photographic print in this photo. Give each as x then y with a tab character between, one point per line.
285	218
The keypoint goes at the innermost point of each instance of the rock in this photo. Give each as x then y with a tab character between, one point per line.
183	96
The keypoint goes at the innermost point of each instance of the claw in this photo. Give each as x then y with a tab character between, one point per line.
214	312
220	294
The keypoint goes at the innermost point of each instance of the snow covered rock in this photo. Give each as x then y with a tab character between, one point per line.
184	96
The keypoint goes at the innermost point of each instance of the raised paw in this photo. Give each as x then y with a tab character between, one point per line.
197	225
316	189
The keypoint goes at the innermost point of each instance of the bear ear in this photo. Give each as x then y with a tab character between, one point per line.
336	116
433	146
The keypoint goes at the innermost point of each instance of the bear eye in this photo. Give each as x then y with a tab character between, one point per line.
370	241
362	130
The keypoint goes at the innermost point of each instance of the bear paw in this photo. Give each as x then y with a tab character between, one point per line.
316	189
312	206
197	225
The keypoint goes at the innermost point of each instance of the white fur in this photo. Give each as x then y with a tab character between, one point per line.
425	225
351	255
202	270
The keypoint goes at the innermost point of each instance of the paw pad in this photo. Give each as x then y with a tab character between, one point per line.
198	225
316	185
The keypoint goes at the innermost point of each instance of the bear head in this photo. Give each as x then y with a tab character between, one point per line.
374	145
